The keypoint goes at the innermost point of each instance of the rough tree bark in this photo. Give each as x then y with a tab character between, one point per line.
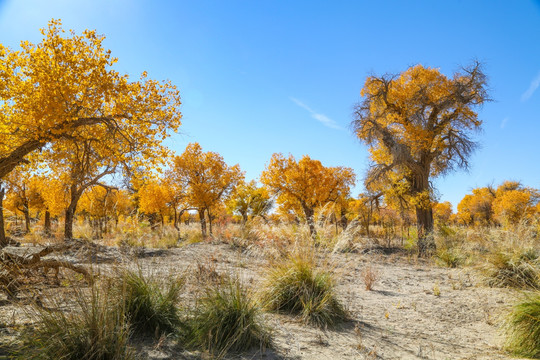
26	212
3	239
47	224
70	212
203	222
209	220
309	213
424	214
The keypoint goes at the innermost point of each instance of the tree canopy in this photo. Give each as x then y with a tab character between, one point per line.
306	184
64	88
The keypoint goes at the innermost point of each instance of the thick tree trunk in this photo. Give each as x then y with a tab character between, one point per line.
209	220
153	222
424	217
309	213
70	212
203	222
47	223
175	223
16	157
3	239
365	223
343	222
26	213
68	224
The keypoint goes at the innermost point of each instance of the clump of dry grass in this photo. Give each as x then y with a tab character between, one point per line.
345	240
277	240
451	257
227	318
522	327
519	269
297	286
206	272
95	329
151	306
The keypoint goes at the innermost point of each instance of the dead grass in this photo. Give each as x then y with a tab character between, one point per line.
370	276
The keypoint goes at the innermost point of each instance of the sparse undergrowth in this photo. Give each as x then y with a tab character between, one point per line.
95	329
227	318
518	270
450	257
297	287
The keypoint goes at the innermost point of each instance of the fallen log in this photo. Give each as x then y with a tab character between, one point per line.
14	268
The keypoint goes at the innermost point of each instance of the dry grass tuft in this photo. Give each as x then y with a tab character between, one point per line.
370	276
227	318
519	269
522	327
297	286
94	329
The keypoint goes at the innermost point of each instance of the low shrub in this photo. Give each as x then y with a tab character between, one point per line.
226	318
296	286
450	257
519	270
151	305
370	276
95	329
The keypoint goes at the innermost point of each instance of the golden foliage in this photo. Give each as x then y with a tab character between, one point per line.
442	212
508	205
304	185
64	88
205	176
247	200
155	197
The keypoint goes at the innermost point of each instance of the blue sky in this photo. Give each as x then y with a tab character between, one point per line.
259	77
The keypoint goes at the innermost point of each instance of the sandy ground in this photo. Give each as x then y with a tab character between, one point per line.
416	310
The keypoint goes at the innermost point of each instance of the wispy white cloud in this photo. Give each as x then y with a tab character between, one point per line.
535	83
503	122
323	119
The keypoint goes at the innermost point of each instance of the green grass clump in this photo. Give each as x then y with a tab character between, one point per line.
519	270
150	305
450	257
522	327
95	329
297	287
226	318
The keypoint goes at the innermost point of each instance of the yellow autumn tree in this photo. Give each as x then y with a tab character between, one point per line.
101	204
64	92
477	208
514	203
22	193
365	207
155	198
442	212
418	124
206	179
306	184
55	201
249	201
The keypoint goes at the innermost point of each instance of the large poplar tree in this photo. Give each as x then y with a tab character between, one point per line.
419	125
